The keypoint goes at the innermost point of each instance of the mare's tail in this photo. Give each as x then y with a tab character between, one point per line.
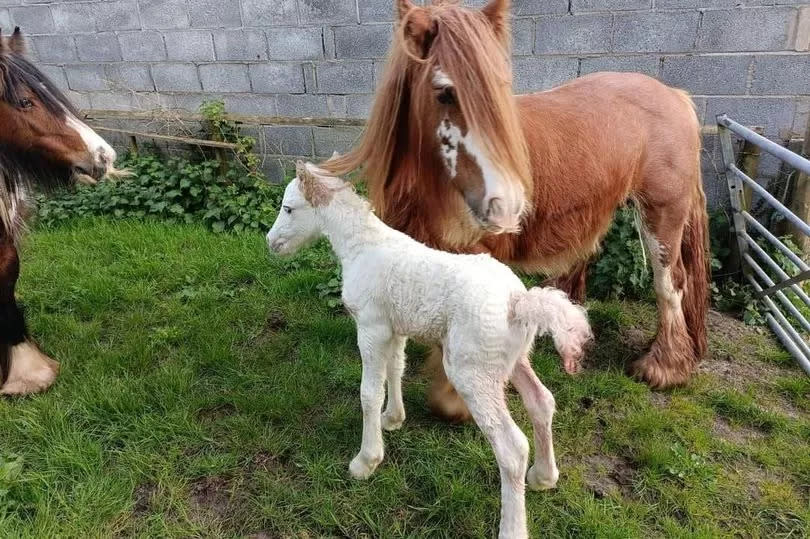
552	312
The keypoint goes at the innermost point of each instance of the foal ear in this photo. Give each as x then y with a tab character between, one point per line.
315	191
497	12
16	42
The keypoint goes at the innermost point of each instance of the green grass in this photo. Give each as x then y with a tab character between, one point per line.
207	390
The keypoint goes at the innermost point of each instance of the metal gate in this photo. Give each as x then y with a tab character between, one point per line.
781	294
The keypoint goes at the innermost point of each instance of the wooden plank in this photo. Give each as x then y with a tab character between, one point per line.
238	118
801	198
169	138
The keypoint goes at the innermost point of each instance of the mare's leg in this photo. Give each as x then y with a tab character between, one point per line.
374	341
574	282
483	391
443	399
539	403
394	414
23	368
671	358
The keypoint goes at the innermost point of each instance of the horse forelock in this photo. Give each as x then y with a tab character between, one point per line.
398	150
18	73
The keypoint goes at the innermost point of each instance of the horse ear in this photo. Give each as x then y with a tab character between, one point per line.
17	43
301	171
497	12
420	30
403	7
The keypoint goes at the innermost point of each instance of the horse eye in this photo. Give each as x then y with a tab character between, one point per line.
287	209
26	103
446	97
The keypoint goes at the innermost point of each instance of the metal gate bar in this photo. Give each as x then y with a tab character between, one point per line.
766	288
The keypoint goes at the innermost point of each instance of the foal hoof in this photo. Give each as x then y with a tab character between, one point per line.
31	371
392	421
361	468
536	480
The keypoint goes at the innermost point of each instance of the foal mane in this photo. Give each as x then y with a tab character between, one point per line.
392	150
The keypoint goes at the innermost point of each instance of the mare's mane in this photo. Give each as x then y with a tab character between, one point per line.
463	44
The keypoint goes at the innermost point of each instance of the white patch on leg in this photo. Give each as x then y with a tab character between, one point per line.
31	371
662	276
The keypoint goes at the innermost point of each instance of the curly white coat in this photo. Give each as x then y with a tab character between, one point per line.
395	287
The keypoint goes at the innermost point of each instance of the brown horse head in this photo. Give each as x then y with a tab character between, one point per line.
41	126
445	116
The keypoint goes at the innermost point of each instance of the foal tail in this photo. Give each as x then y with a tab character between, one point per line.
552	312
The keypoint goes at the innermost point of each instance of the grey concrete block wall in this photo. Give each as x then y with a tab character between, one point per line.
323	58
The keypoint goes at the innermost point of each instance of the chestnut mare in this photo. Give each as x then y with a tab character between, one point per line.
455	160
43	142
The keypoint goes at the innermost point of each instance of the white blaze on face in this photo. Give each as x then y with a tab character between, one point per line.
449	139
103	154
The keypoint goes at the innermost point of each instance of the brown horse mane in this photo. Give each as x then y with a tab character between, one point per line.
464	44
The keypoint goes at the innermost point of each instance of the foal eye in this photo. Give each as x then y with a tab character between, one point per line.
26	103
446	97
287	209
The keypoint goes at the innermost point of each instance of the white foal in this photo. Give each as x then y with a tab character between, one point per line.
481	313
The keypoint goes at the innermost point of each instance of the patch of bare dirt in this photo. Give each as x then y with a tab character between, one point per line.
276	321
660	399
609	476
211	495
143	498
636	340
217	411
737	434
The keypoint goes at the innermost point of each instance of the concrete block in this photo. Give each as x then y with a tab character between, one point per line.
376	11
257	105
98	47
142	46
524	8
366	41
33	19
609	5
708	75
634	64
164	14
288	140
781	75
801	41
274	170
310	82
534	74
86	78
655	32
295	43
190	45
215	13
774	114
56	75
173	77
116	15
113	101
277	78
53	49
245	45
746	29
572	34
334	139
327	11
359	105
802	116
130	77
523	37
74	18
224	78
5	19
345	77
307	105
264	13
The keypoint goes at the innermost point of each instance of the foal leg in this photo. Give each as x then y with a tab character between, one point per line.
374	342
484	395
394	414
23	368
